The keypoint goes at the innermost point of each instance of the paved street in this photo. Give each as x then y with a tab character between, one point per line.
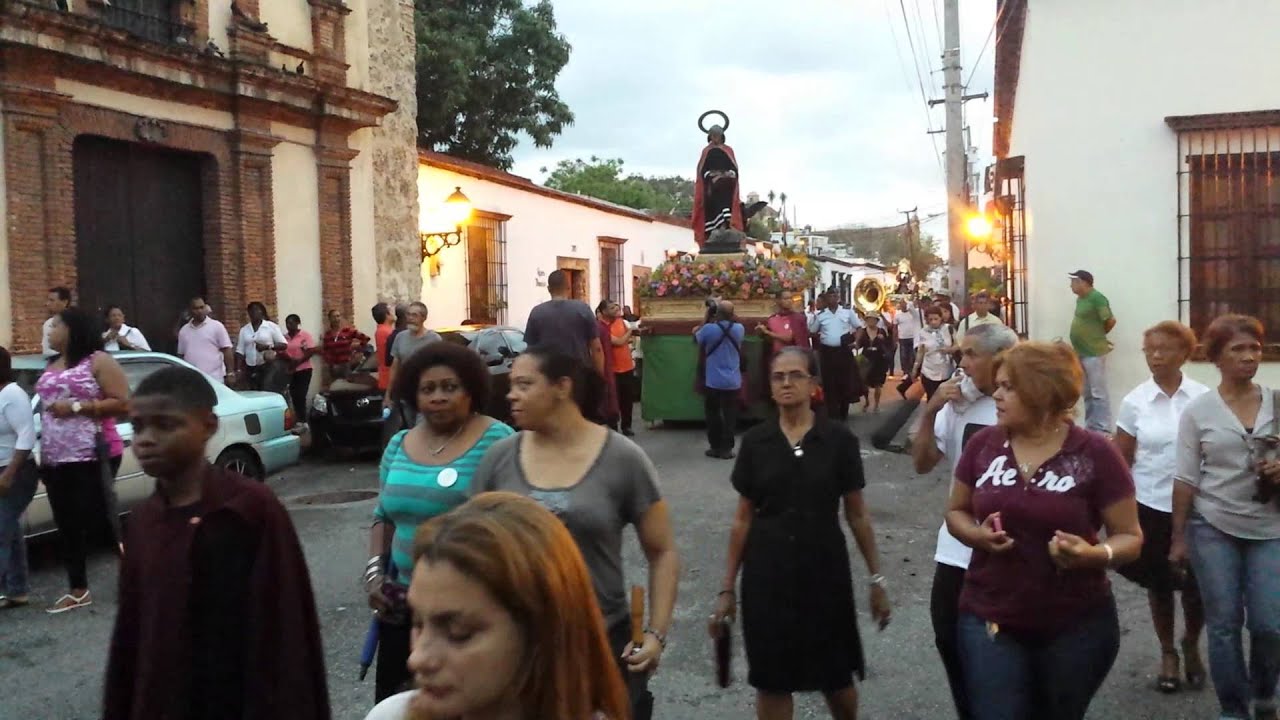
51	667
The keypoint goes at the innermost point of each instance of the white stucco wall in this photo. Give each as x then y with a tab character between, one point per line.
357	43
219	21
295	187
364	252
288	21
541	229
1101	190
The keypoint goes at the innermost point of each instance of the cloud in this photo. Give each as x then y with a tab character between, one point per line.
815	91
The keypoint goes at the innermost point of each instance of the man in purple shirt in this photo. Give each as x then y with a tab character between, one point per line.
204	343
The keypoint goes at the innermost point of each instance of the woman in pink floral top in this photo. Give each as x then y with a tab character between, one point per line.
82	392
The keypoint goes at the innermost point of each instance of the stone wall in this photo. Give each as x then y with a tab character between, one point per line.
392	73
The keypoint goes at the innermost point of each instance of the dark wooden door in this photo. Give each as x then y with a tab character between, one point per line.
139	233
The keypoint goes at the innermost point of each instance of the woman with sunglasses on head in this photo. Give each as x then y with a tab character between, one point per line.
793	476
597	482
426	471
505	622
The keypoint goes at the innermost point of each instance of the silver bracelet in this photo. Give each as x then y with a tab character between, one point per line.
879	580
1111	553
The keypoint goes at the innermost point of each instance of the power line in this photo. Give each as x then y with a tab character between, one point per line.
981	52
902	66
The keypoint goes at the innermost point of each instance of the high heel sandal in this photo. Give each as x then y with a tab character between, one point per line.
1169	684
1194	665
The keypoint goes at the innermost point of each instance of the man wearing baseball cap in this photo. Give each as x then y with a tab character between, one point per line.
1089	328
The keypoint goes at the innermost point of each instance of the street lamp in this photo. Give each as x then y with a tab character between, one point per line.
456	212
978	227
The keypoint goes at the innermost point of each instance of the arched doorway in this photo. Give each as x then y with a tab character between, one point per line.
139	232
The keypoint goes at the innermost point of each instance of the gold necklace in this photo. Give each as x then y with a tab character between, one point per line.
452	437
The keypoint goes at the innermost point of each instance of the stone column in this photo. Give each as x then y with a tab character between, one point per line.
393	74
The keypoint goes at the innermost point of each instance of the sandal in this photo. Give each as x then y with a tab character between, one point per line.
70	602
8	603
1169	684
1194	665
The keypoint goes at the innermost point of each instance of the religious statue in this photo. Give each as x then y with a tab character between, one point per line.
906	282
719	215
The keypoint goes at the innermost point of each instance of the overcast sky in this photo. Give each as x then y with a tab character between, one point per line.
824	104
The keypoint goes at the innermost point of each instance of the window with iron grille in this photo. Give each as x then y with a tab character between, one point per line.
487	268
1229	219
153	20
613	276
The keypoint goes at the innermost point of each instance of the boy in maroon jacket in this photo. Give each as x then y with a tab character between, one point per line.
217	618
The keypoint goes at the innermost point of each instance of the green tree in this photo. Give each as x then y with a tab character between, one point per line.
758	229
606	179
486	72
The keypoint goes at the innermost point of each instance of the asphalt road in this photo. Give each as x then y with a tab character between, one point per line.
51	666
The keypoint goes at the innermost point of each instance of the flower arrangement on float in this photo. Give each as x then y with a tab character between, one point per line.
735	277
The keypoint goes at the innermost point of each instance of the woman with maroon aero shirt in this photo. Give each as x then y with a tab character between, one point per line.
1038	630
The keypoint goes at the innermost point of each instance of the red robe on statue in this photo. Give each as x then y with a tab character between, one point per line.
700	188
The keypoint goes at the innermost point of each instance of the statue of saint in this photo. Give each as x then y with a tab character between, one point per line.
718	210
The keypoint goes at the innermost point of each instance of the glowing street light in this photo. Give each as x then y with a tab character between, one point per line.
978	227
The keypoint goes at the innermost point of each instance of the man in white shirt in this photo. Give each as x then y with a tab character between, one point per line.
59	299
906	323
960	408
834	326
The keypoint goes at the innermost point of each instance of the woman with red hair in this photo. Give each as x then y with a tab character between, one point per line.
1038	630
505	621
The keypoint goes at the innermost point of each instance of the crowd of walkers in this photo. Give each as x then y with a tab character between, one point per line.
496	574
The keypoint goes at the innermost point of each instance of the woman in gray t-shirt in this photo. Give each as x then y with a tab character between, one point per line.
597	482
1226	517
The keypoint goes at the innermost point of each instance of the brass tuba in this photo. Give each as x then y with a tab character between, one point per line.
869	295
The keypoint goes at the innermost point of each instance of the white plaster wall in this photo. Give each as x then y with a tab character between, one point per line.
364	251
357	43
149	107
540	229
288	21
295	188
1101	190
219	21
6	305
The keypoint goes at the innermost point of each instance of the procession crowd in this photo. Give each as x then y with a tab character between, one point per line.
496	575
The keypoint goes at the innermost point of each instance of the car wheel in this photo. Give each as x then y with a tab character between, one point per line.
243	461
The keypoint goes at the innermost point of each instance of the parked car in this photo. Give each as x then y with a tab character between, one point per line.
254	433
349	415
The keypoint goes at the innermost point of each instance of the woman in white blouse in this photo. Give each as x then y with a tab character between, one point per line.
1147	435
935	344
18	481
120	336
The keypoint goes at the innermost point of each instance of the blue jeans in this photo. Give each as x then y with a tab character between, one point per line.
1097	399
1238	579
1011	677
13	546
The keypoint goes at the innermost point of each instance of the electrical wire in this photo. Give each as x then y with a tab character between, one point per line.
902	66
981	52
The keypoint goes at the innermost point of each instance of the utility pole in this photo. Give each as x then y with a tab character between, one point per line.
957	157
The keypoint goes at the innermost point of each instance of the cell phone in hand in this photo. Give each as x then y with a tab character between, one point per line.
997	524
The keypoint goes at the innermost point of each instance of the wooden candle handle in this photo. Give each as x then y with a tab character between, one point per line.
637	616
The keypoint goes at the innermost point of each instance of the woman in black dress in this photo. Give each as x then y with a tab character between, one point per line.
877	348
798	619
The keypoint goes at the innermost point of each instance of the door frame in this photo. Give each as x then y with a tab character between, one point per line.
580	288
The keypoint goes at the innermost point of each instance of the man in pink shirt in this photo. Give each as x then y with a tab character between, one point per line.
204	343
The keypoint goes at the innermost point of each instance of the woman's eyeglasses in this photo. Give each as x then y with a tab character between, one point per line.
794	376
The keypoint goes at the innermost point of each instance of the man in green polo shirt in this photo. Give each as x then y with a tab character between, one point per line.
1089	328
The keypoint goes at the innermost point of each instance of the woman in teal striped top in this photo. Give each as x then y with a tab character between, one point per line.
426	471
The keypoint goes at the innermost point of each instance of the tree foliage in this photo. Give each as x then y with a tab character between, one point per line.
486	72
605	179
889	245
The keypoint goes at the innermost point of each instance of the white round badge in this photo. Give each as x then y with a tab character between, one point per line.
448	477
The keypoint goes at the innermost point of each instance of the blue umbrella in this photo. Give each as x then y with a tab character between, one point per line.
370	648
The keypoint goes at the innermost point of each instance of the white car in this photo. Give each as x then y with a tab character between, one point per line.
254	434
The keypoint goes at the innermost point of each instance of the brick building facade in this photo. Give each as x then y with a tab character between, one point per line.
281	136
